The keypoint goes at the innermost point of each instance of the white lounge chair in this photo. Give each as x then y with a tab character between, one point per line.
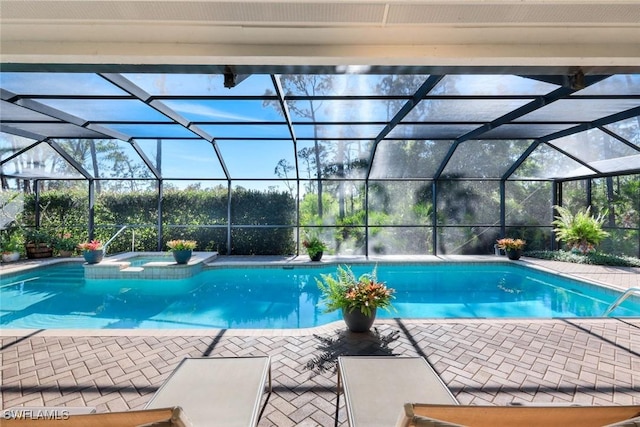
165	417
217	391
427	415
377	387
46	411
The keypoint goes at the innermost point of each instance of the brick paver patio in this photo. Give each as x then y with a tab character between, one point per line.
586	361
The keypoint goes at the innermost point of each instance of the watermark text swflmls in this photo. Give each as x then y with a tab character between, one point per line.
36	414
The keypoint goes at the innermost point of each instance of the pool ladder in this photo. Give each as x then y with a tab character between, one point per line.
124	227
620	300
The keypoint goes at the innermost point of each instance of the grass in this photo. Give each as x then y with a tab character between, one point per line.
594	258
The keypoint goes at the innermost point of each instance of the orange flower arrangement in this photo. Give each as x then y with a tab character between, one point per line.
345	291
94	245
509	244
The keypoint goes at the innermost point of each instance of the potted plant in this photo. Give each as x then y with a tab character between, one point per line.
38	243
581	232
182	249
10	245
315	247
92	251
357	297
65	245
513	247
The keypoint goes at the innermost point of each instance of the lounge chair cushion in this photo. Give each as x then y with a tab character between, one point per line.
375	387
161	417
217	391
421	415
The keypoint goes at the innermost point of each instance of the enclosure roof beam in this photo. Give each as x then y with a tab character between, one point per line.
23	133
518	112
634	171
619	138
129	87
60	115
574	158
422	91
277	84
579	128
63	153
148	163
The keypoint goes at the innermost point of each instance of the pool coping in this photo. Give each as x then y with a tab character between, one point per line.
329	328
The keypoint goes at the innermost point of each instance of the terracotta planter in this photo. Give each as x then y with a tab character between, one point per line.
182	257
93	257
65	254
357	321
38	250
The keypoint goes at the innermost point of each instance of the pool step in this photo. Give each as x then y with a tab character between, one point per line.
62	277
132	269
156	266
46	275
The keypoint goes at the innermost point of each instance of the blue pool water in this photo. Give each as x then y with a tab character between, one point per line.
138	261
275	297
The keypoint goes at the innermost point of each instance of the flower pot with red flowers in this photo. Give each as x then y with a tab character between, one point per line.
92	251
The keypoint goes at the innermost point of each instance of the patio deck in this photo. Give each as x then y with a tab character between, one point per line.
585	361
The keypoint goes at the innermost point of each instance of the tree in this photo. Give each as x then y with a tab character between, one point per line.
307	85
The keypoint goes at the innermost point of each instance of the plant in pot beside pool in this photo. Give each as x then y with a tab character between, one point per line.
65	245
513	247
182	249
357	297
581	232
38	243
10	245
315	247
92	251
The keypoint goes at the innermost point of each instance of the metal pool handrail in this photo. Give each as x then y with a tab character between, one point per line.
620	300
19	281
113	238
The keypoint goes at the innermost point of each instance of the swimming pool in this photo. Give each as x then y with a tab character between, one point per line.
139	261
279	297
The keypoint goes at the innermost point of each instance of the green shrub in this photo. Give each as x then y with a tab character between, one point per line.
190	214
593	258
581	232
